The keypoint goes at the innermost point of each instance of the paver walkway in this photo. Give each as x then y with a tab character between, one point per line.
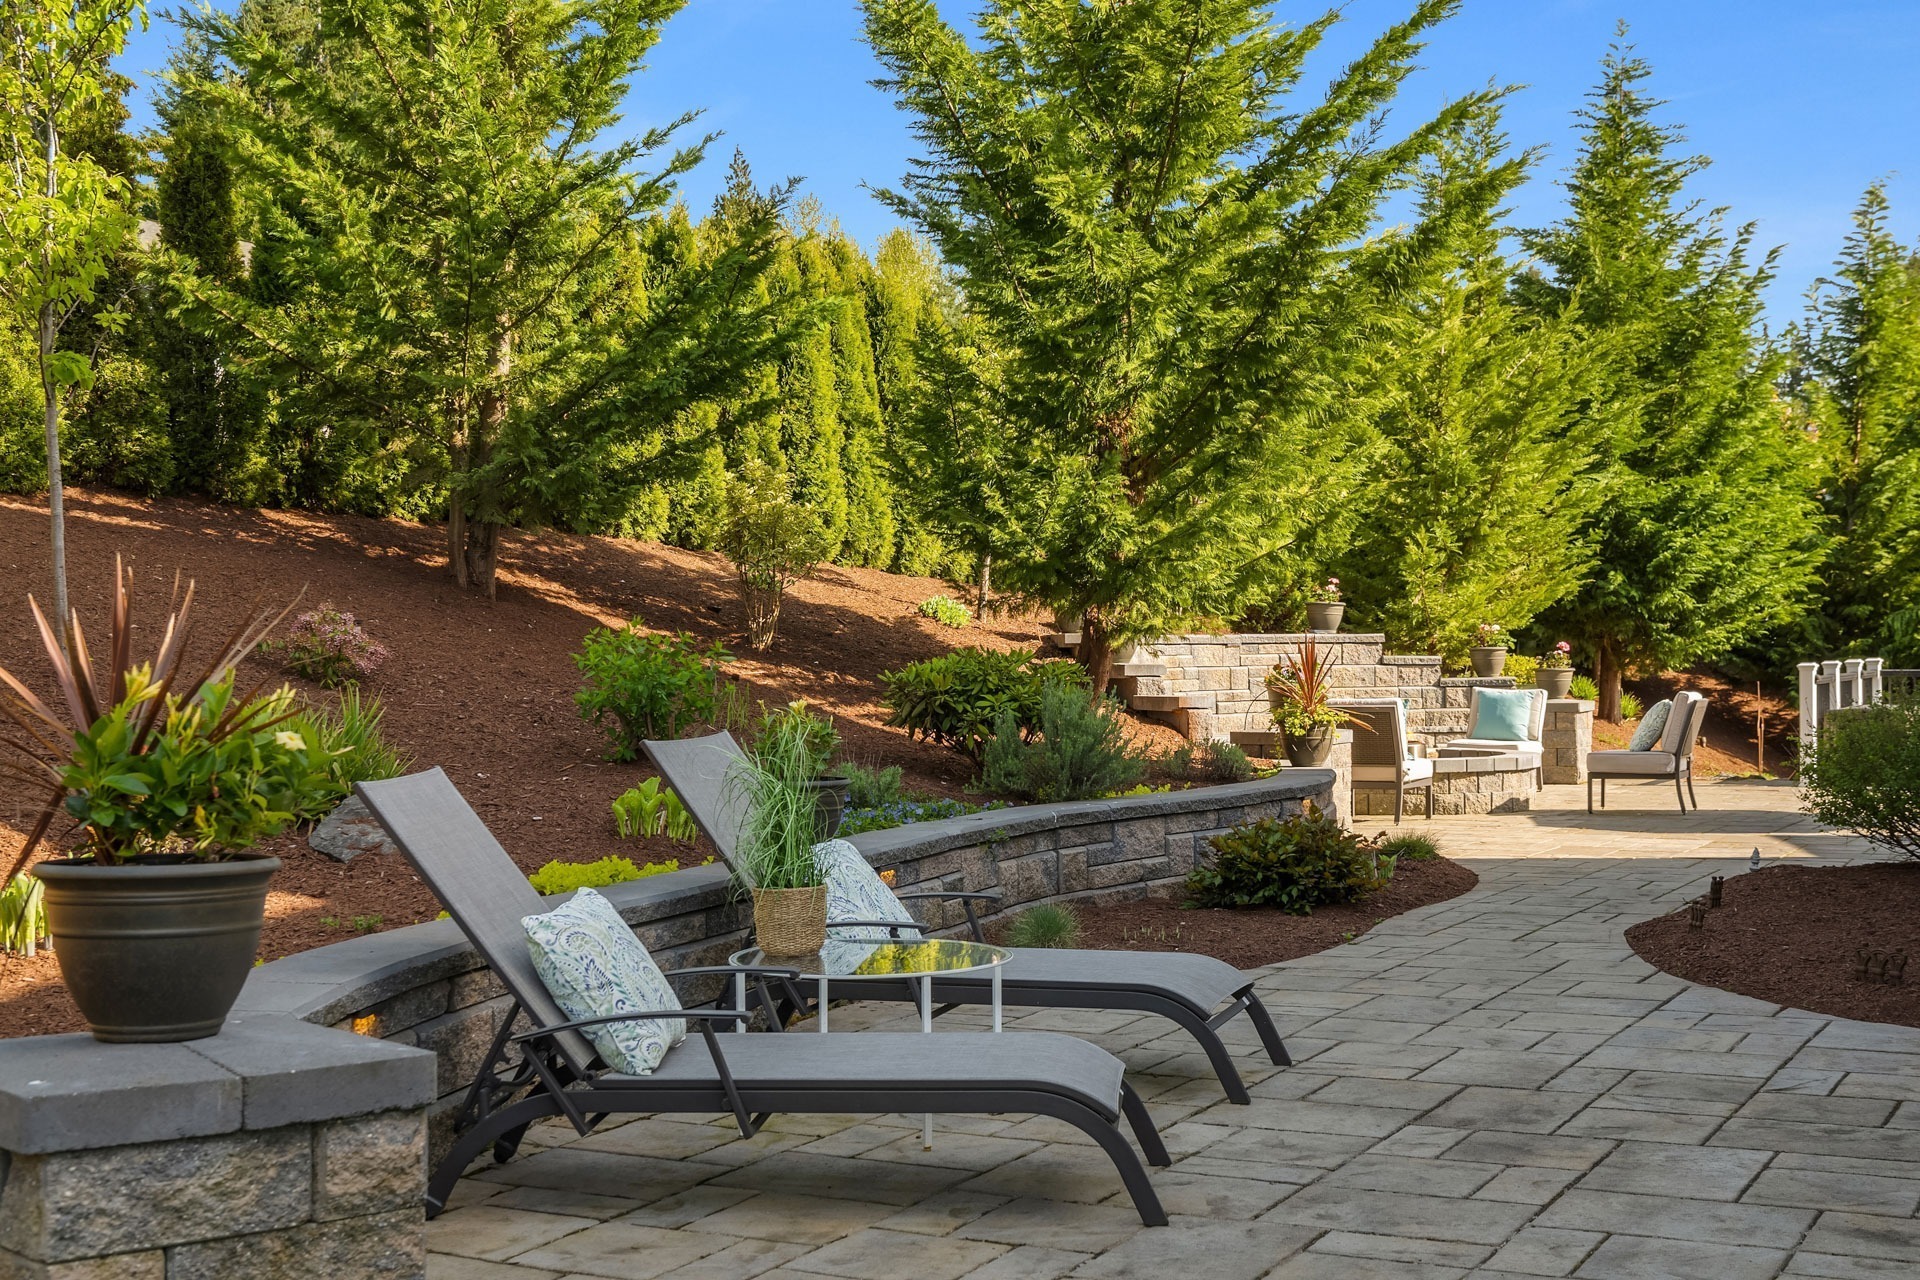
1490	1086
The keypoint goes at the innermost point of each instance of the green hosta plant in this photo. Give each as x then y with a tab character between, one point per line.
147	757
957	698
650	809
23	916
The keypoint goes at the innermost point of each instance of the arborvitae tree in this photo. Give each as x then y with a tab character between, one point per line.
1702	540
1477	504
477	286
1857	381
1168	253
908	301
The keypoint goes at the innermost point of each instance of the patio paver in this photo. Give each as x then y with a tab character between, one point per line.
1494	1086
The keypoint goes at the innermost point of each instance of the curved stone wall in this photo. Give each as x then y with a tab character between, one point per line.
424	986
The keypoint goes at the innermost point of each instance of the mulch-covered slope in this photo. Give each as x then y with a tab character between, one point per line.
483	688
1789	935
1249	937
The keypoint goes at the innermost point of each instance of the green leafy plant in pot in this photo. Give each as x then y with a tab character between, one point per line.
818	739
1489	651
1298	687
170	778
775	860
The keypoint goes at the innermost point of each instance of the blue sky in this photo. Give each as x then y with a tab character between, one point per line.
1800	103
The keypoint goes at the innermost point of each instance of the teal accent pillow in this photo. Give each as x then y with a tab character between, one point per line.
592	966
1652	724
1504	715
855	891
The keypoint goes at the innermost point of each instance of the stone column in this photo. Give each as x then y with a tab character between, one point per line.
273	1150
1566	741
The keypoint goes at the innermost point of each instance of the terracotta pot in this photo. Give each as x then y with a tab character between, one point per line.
1488	660
156	952
1312	748
790	922
1557	681
1325	615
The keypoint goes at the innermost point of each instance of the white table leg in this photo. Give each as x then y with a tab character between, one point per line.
823	1004
740	998
926	1025
996	999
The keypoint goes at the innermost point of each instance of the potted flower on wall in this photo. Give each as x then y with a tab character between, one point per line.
1298	687
1325	608
773	786
1556	671
171	778
1490	645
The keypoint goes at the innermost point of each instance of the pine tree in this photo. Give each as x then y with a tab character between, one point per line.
1478	496
1857	382
473	278
1167	255
1702	540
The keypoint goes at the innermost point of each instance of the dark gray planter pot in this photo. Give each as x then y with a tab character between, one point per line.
155	953
830	795
1312	748
1557	681
1325	616
1488	660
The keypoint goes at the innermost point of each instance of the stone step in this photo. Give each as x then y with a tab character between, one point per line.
1149	670
1173	702
1257	737
1068	640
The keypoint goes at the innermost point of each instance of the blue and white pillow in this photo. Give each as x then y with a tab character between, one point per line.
855	891
593	966
1652	723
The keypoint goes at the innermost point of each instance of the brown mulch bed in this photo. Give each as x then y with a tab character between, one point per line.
1788	935
1253	936
482	687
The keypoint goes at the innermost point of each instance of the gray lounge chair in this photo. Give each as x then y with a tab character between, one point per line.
556	1071
1187	989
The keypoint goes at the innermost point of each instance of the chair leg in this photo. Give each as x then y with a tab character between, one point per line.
1690	795
1429	797
1589	793
1399	802
1263	1023
1603	791
1678	793
1144	1131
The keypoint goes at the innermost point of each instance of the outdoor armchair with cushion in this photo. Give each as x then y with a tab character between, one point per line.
1492	730
552	1069
1200	993
1381	752
1670	757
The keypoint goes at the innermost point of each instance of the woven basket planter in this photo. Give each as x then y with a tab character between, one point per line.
790	922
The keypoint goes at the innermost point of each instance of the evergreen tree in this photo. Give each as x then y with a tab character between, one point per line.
1702	540
476	282
1167	254
1857	382
1476	508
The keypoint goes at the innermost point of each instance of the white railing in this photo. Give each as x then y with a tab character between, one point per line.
1828	686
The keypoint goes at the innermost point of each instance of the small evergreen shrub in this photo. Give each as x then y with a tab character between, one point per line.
330	648
774	542
1080	751
1409	848
1863	774
1295	864
957	698
873	788
1222	762
947	612
1051	924
564	877
640	685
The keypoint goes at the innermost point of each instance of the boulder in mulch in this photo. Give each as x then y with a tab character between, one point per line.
350	831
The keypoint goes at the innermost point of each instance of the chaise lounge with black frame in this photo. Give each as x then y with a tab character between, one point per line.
557	1072
1199	993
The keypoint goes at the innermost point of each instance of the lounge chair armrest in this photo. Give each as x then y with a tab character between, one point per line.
705	1015
949	893
895	925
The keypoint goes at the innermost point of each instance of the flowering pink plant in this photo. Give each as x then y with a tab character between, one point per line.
329	647
1561	657
1492	635
1327	593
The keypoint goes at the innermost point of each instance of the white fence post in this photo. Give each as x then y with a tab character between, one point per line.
1809	703
1871	671
1850	677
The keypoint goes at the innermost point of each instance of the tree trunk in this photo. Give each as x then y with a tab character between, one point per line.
473	546
986	583
56	489
1096	651
1606	674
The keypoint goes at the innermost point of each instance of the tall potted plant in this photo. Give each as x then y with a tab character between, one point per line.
818	739
170	778
1325	608
1490	645
772	785
1299	692
1556	671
